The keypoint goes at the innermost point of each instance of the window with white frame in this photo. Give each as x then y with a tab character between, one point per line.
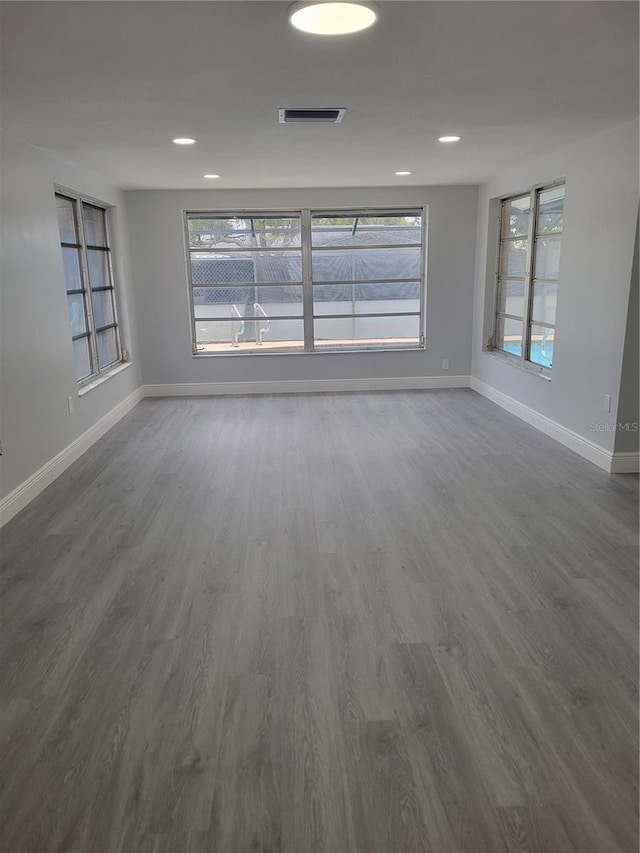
305	280
528	275
367	279
86	258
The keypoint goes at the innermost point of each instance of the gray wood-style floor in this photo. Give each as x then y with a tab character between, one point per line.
351	622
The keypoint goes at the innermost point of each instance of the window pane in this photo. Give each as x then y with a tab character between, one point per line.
246	267
102	301
98	263
249	335
107	347
545	294
509	335
511	297
95	233
82	359
71	263
389	298
77	317
547	261
541	348
227	301
513	259
366	230
260	232
367	264
550	210
384	332
515	216
66	220
210	270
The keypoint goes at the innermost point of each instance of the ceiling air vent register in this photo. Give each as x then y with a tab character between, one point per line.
323	116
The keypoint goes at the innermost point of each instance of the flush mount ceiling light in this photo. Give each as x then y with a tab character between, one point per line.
332	18
211	177
448	139
402	174
184	140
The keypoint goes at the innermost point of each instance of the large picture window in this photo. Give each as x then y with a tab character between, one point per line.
246	282
528	275
86	258
306	280
367	279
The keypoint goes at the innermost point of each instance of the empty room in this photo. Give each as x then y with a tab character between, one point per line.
314	538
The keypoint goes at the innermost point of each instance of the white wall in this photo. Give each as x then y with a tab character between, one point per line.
159	267
596	267
36	357
628	409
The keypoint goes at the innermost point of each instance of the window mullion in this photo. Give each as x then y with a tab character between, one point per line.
528	278
307	279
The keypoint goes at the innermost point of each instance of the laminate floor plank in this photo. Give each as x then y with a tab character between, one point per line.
385	802
315	812
436	732
337	623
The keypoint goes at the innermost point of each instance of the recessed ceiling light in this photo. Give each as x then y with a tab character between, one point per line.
211	177
332	18
184	140
448	139
402	174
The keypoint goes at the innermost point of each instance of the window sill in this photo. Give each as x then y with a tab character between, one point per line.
524	367
84	389
327	351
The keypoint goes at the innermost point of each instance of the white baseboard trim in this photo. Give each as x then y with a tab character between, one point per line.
625	463
306	386
37	482
567	437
